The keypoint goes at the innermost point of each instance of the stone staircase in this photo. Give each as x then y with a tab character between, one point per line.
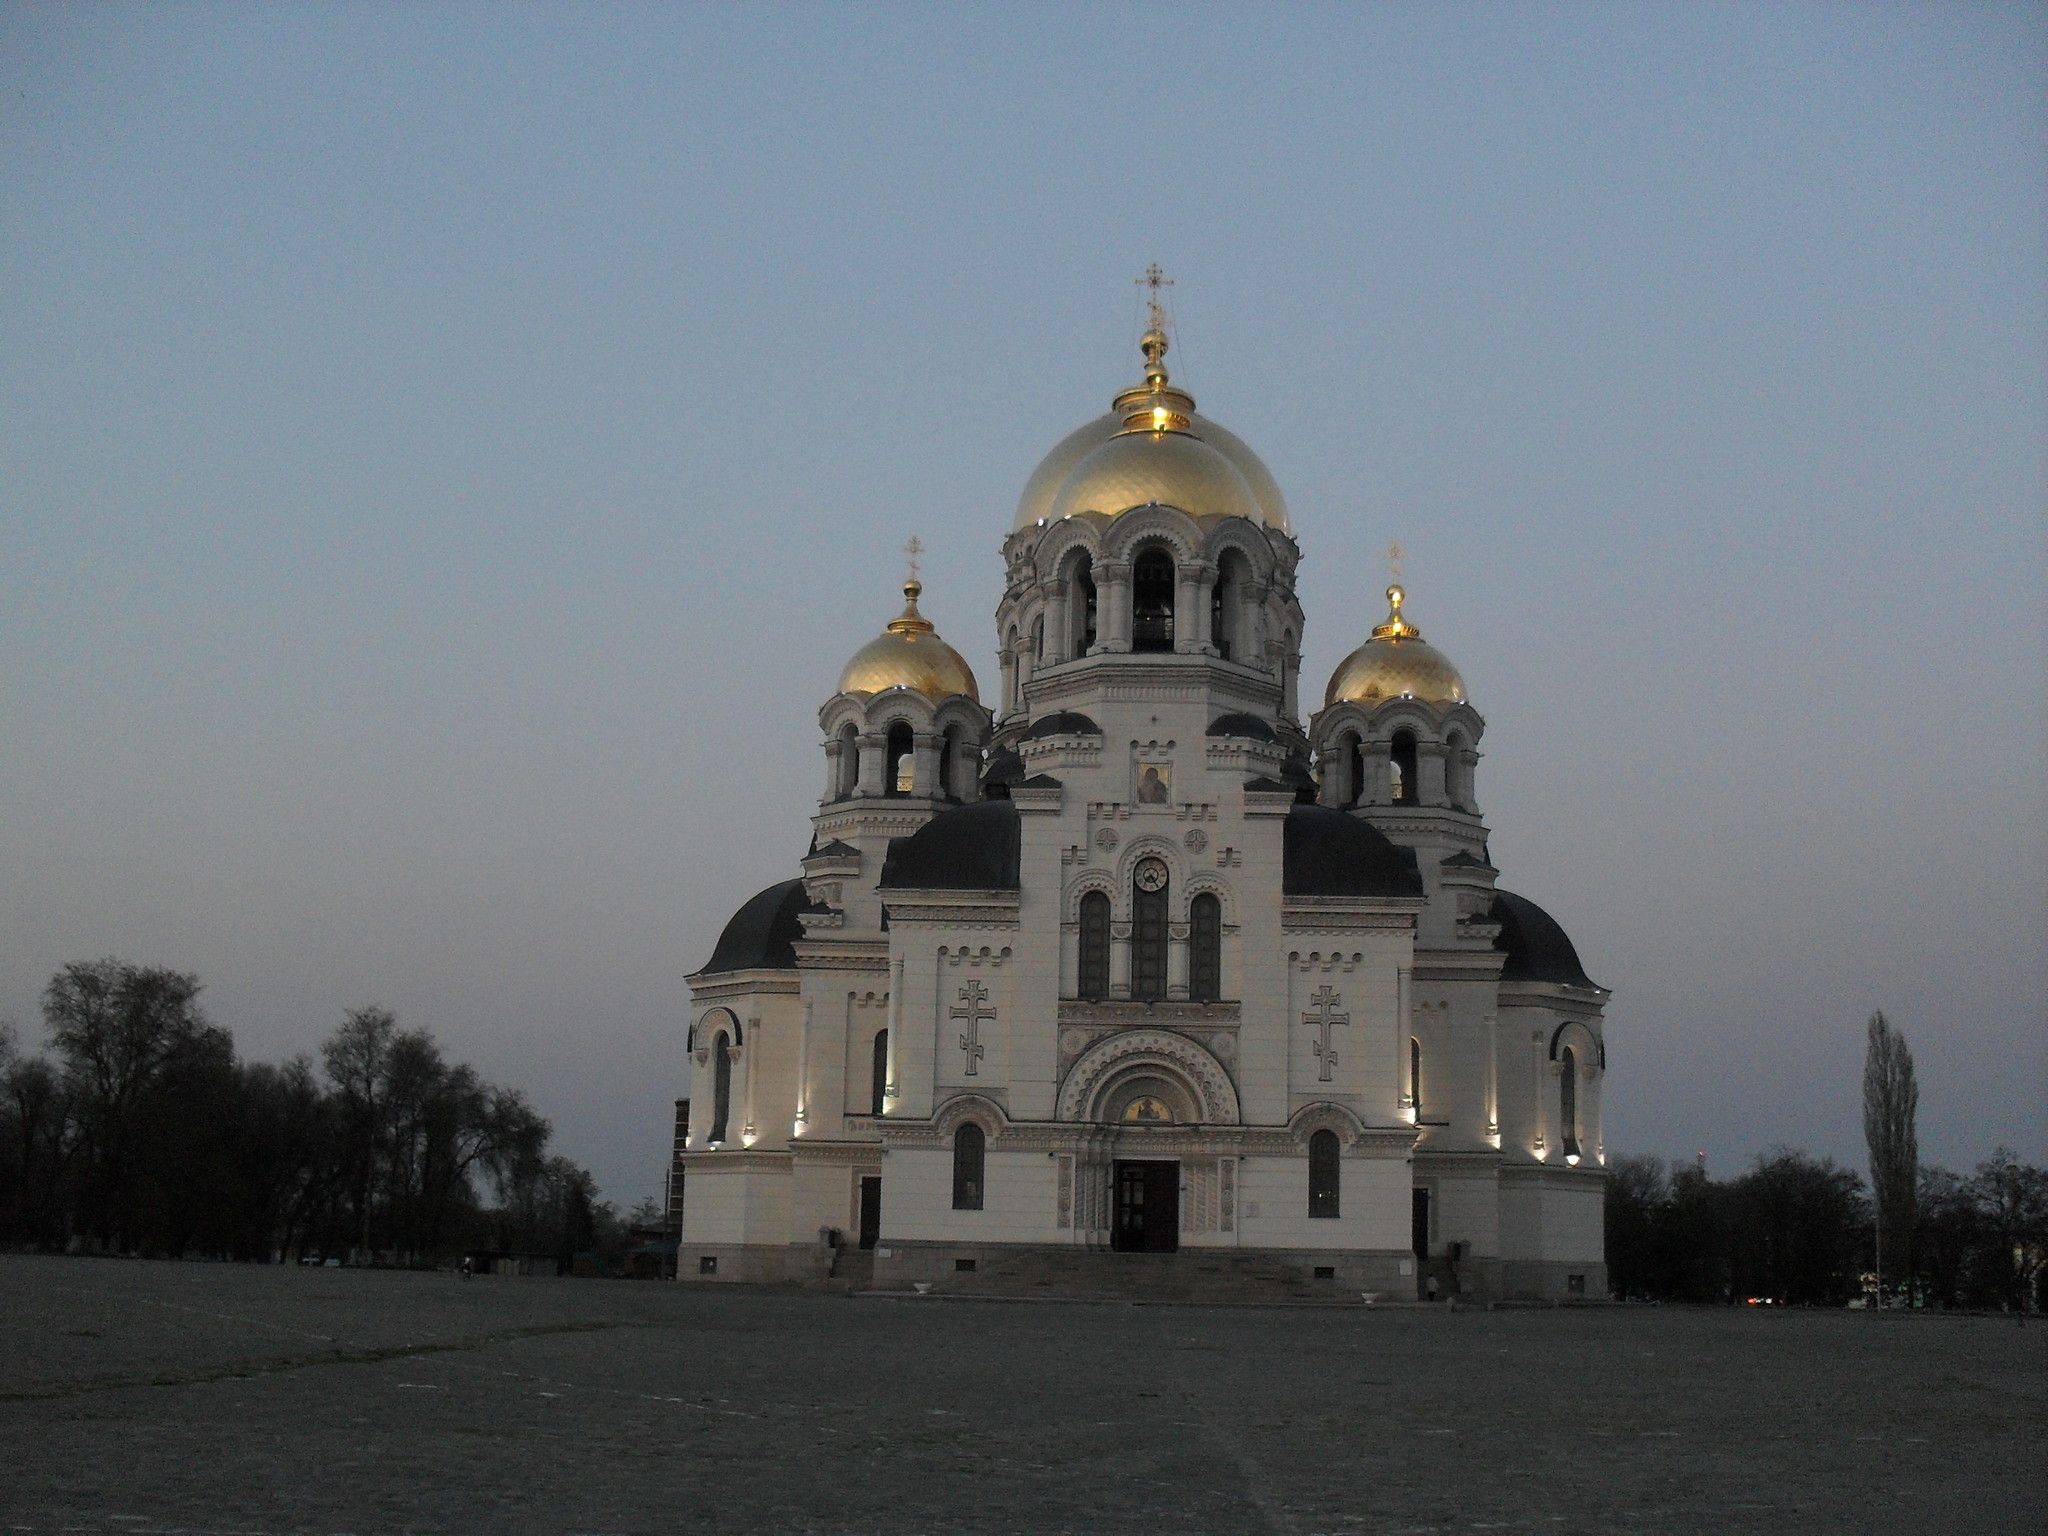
1101	1274
852	1268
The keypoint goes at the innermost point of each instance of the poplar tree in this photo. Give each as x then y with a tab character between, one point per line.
1891	1101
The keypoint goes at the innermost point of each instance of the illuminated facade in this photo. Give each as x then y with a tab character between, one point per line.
1135	959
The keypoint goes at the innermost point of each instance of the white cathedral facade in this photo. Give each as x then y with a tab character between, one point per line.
1133	959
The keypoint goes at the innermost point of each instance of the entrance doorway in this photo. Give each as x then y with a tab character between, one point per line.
870	1211
1147	1208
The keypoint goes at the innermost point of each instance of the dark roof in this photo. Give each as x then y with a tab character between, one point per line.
1039	781
969	848
1327	853
1065	723
1242	725
1463	860
1004	767
1536	947
1265	786
762	935
836	849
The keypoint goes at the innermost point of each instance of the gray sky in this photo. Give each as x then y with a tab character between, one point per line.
446	454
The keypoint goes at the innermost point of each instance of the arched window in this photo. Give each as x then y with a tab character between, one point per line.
848	778
899	761
1323	1172
1095	946
721	1087
970	1152
1354	764
1081	606
878	1075
1038	641
1404	768
1415	1075
1568	1102
1019	669
1205	948
1152	601
1148	931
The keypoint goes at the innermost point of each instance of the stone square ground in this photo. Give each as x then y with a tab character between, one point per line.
151	1397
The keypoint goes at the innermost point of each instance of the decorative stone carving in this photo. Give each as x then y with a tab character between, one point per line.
1173	1054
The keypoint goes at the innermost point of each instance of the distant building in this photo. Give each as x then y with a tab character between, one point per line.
1131	958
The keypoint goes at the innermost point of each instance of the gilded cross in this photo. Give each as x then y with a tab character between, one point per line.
1155	278
973	1009
1323	1014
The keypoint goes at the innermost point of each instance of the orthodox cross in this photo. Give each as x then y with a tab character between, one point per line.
1324	1015
911	551
1155	278
1394	553
974	1008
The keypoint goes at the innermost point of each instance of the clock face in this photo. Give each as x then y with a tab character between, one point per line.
1151	876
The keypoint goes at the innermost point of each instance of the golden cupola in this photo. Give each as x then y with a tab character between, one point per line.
1395	663
909	654
1153	446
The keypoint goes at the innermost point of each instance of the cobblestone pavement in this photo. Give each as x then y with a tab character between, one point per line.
150	1397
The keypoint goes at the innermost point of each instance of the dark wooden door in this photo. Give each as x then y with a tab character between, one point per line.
1147	1208
1418	1225
870	1212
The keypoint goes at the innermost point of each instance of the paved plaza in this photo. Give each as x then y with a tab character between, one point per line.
143	1397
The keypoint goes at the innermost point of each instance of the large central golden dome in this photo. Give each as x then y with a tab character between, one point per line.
909	654
1153	446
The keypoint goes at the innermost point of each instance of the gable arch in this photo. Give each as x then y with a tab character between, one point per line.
1095	880
1579	1033
1204	882
1152	845
1325	1116
963	1108
1131	531
1092	1081
1234	535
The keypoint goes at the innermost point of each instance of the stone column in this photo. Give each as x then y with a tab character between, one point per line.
1058	639
872	747
1253	617
1429	773
924	772
1113	605
1120	961
832	749
1177	962
1188	610
1013	690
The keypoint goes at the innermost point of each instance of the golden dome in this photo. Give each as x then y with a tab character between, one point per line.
909	654
1199	466
1395	663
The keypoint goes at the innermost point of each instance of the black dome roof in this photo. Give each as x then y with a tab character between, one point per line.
1066	722
762	935
1242	725
969	848
1536	947
1327	853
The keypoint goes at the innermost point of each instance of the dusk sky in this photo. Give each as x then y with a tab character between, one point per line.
447	453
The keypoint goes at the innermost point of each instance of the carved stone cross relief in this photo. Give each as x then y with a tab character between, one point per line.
973	1009
1323	1015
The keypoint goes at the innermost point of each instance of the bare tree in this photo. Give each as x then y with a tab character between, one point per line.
1891	1101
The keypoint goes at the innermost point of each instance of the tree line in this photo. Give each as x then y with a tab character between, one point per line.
141	1132
1803	1230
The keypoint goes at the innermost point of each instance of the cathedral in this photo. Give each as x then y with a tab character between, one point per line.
1129	975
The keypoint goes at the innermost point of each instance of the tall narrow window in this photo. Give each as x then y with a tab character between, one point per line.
1568	1102
1404	768
1095	946
1205	948
1226	605
1354	760
1152	601
1455	789
1148	932
952	765
721	1087
878	1078
970	1152
899	763
1415	1075
1324	1164
1038	642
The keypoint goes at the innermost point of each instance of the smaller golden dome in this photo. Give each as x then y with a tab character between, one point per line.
1395	663
909	654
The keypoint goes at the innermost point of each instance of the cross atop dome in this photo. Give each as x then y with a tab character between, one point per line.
1154	342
